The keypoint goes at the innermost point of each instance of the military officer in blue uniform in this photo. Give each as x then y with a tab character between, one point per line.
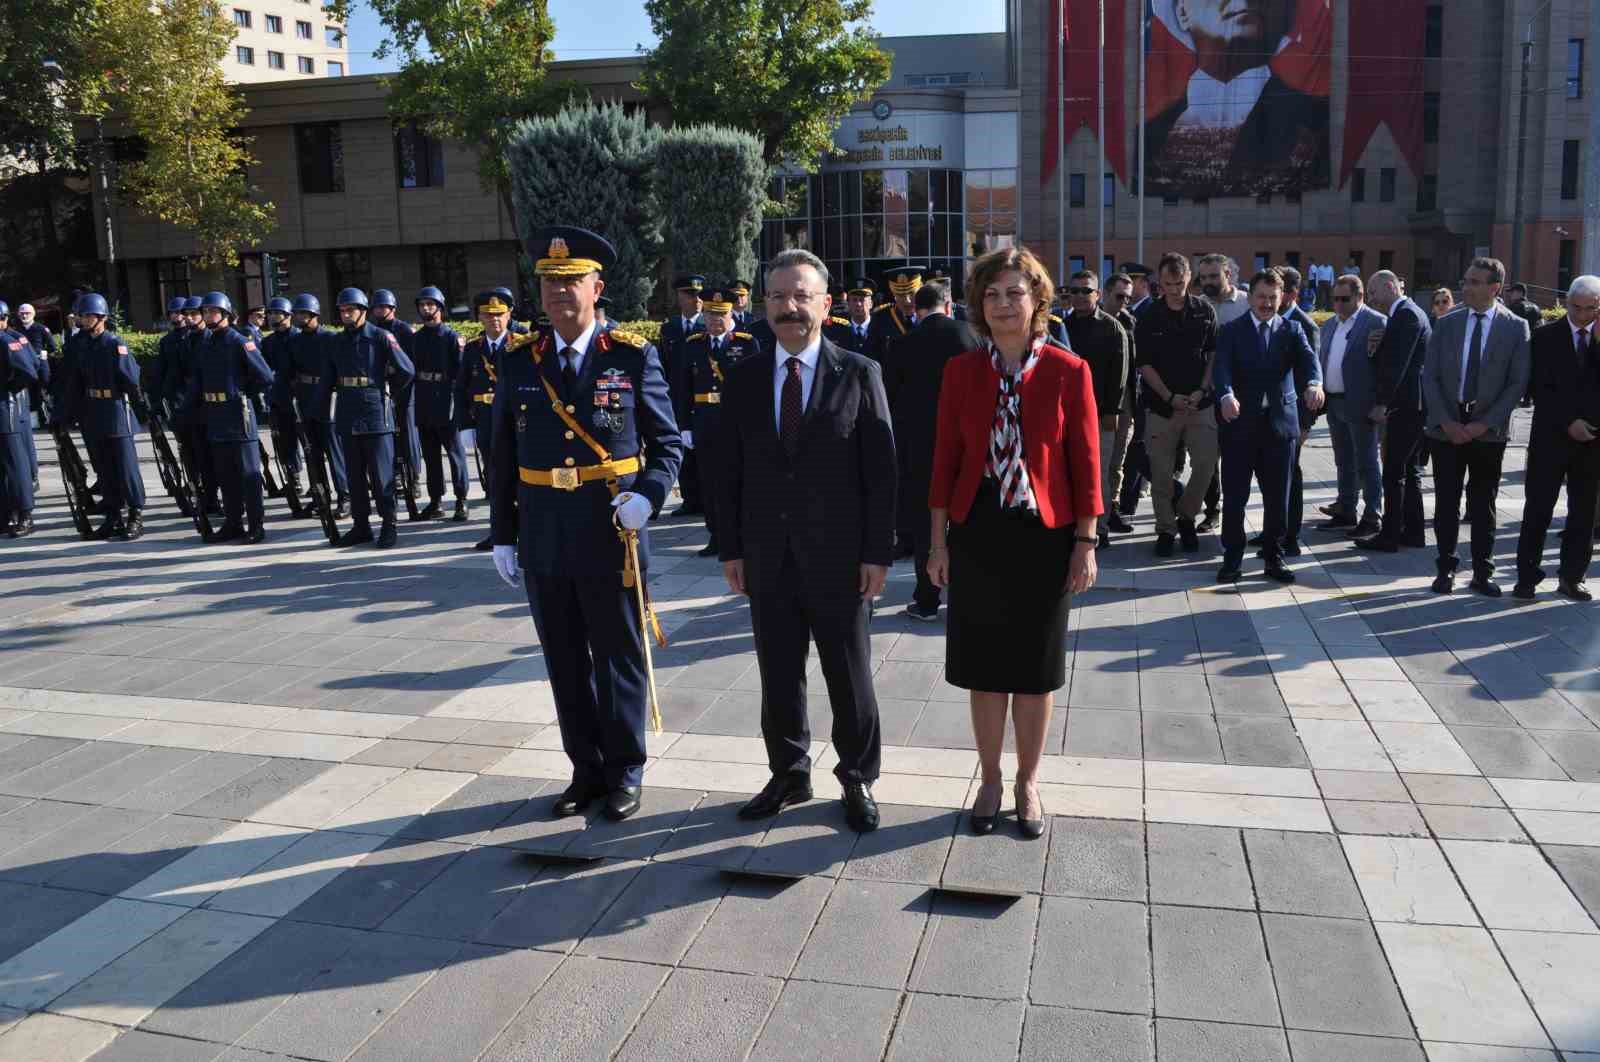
44	344
853	335
296	401
708	355
436	352
366	366
897	318
742	314
19	371
231	370
101	387
168	353
25	400
602	314
674	331
475	383
385	317
275	344
584	435
189	420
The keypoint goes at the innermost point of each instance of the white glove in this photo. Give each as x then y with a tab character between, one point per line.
469	438
688	439
505	562
633	510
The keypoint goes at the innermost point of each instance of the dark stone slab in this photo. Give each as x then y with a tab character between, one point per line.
1332	976
581	1015
954	1028
68	854
29	913
839	1023
810	838
1201	866
640	837
1053	1034
1211	964
243	797
702	1016
714	835
1205	1041
1002	864
1092	955
910	844
1302	873
892	916
466	896
59	772
557	909
188	783
658	915
977	947
760	927
1336	1047
369	892
107	784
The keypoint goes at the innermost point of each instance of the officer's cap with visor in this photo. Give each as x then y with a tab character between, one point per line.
567	251
717	297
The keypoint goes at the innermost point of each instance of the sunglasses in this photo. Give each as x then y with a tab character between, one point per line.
1440	301
1082	291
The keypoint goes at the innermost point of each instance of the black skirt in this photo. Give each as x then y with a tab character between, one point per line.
1007	618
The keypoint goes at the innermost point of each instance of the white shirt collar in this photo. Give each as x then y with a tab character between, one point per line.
808	356
1576	329
1272	322
494	345
1216	104
579	346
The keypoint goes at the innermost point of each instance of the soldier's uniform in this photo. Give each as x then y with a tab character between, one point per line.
101	388
474	391
295	399
675	331
888	324
841	330
366	366
436	353
275	351
231	372
19	371
188	419
404	396
697	396
573	427
46	348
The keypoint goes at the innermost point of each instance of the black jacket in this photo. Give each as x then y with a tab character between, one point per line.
912	377
1099	340
1398	362
833	504
1563	388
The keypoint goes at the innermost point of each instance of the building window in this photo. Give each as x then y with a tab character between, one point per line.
1077	263
1566	258
305	64
1108	189
275	60
274	24
1386	181
1385	259
418	158
1358	259
320	146
1422	273
1292	258
1108	265
245	55
302	30
1433	32
1430	117
241	18
445	267
332	37
1428	192
1263	260
1077	189
349	269
1570	150
172	278
1575	68
1358	184
335	68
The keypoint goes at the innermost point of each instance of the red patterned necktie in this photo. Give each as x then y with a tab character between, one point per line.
789	408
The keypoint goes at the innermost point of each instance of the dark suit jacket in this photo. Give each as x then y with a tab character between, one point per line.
833	504
1314	336
1286	368
912	377
1562	390
1283	144
1398	363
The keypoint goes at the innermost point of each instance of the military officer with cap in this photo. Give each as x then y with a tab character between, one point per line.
475	384
708	355
275	343
436	353
602	313
231	369
101	387
584	428
23	400
365	365
44	344
674	331
742	315
296	400
858	298
253	322
19	371
169	350
899	316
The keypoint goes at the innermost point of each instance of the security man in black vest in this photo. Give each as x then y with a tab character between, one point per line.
101	389
384	316
231	370
366	366
896	318
586	440
19	371
295	397
475	384
697	395
436	353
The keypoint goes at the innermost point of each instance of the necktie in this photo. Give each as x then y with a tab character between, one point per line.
1266	336
1469	385
1583	347
569	375
789	408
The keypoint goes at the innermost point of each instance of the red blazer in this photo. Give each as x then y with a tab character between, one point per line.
1060	435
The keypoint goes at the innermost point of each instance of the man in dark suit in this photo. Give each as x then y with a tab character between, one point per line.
806	524
1289	308
1565	443
912	380
858	317
1475	373
1264	364
1397	406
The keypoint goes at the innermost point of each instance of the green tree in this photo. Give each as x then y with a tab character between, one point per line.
712	185
42	39
785	70
593	165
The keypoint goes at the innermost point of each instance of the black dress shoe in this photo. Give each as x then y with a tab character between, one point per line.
575	797
431	511
1117	524
133	527
1377	544
1444	583
1485	585
1230	571
983	825
1291	547
227	533
1523	591
356	535
860	810
1574	591
1336	523
254	535
388	535
485	544
708	550
1278	572
780	791
341	508
1032	829
1365	529
1331	510
622	802
1164	545
22	528
460	515
1189	534
1206	525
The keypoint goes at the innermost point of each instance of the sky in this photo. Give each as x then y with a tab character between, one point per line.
592	29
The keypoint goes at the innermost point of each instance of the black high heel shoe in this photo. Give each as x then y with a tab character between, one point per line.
1032	829
983	825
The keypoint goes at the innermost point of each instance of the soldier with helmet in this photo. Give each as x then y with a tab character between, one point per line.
19	371
275	352
708	355
475	383
169	352
436	352
585	442
385	316
295	401
231	369
366	367
101	386
189	420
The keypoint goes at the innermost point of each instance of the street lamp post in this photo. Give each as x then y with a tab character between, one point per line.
1515	266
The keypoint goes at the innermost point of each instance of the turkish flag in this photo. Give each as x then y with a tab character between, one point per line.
1082	82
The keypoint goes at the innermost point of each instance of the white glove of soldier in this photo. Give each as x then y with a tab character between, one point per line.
505	562
688	439
469	438
633	510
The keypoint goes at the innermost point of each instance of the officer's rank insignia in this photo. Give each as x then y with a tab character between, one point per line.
558	249
614	380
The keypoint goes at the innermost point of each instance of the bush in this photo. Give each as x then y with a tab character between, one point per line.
712	182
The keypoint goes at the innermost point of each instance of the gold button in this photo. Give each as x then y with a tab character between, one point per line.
571	436
523	407
572	409
570	462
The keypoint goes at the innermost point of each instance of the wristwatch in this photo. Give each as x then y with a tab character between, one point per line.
1087	540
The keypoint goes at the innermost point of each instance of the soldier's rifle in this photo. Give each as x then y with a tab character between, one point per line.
317	483
75	478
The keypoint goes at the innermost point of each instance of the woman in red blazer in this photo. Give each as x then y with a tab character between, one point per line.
1016	490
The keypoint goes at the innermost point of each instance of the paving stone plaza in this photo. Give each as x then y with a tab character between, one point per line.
285	801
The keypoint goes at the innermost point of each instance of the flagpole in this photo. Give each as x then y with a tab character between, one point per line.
1060	89
1143	29
1100	139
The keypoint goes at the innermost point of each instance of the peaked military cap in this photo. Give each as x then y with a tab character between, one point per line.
1136	269
862	286
904	280
603	302
491	302
689	282
568	251
740	287
717	297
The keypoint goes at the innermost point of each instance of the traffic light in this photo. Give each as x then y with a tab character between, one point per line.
275	274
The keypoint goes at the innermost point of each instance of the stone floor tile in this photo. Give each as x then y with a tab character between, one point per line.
53	1038
713	835
1201	866
115	867
1104	689
639	837
398	802
214	866
1003	861
184	785
36	820
1424	748
910	844
466	896
1096	859
658	915
1468	705
139	1046
59	773
1461	822
1302	873
468	814
1103	732
55	964
556	909
977	947
1393	702
584	1013
374	888
1188	738
1506	752
75	846
760	926
1092	955
1561	827
1231	778
836	1022
241	798
1580	867
1266	742
1229	809
1514	888
1363	785
1054	1034
1452	789
1331	976
1442	1052
951	1028
1407	880
1211	965
283	882
1341	745
702	1016
1557	971
1339	1047
892	915
1204	1041
320	799
1577	753
398	752
1376	817
810	838
1254	696
1456	985
1549	795
114	780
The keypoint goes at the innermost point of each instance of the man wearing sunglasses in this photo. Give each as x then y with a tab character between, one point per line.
1348	379
1097	338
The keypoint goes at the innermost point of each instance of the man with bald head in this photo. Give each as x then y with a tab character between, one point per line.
1397	408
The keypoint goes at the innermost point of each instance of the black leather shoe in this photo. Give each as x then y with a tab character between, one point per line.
485	544
388	535
1117	524
460	515
227	533
860	810
1164	545
1485	585
1574	591
1278	572
622	802
254	535
1377	544
341	508
1523	591
111	528
356	535
575	797
1256	540
1331	510
983	825
22	528
1365	529
1032	829
431	511
780	791
1207	524
708	550
1340	524
1230	571
1291	547
1444	583
1189	534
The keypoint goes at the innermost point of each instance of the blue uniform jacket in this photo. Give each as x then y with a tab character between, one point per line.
699	375
175	379
620	400
19	370
474	388
436	354
1267	382
275	349
103	381
298	375
365	365
231	370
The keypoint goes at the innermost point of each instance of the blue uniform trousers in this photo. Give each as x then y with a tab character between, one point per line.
117	464
372	459
16	481
594	653
328	448
200	445
1254	451
25	419
437	439
237	469
483	431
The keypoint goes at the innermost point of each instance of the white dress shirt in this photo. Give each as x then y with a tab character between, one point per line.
1217	104
1483	343
1333	374
577	350
780	372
